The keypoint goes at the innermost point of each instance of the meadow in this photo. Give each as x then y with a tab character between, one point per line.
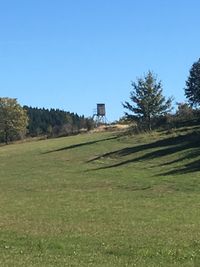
102	199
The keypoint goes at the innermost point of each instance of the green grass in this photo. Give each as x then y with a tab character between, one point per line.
102	199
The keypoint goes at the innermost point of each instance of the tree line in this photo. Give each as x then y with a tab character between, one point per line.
17	122
55	122
148	108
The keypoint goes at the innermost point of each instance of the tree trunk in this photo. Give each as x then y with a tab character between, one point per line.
6	137
149	123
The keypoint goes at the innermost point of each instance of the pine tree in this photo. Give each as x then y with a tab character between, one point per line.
192	90
147	100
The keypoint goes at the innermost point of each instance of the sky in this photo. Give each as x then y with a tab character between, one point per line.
73	54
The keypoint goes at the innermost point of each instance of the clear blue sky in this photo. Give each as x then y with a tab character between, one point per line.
72	54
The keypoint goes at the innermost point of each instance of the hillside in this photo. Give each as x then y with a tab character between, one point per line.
102	199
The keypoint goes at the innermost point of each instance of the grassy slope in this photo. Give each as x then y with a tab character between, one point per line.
101	200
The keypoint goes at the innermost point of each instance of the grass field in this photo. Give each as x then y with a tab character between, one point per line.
102	199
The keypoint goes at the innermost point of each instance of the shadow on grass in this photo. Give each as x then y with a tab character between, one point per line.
188	168
188	143
193	166
81	144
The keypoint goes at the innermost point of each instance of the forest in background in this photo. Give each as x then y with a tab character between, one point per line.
55	122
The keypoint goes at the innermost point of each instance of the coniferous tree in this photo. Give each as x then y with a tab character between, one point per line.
147	100
192	90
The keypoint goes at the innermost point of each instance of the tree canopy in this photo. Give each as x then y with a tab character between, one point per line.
192	90
13	119
147	100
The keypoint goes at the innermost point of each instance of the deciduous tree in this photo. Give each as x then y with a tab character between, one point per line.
13	119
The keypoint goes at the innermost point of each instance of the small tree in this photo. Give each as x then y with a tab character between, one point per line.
147	99
13	118
192	90
184	111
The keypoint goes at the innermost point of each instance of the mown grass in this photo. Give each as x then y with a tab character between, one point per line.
102	199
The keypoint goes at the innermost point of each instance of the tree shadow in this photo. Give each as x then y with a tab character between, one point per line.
135	149
190	167
80	145
161	148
